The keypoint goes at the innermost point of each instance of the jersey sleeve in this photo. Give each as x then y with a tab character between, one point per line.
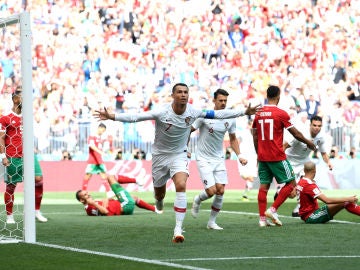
221	114
313	190
197	123
285	119
137	117
3	123
232	129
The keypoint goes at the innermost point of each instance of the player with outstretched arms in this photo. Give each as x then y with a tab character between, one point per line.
169	158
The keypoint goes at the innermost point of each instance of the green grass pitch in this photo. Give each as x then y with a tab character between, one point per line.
72	240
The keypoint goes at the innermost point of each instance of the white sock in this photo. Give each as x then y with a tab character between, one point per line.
180	204
203	196
215	208
249	185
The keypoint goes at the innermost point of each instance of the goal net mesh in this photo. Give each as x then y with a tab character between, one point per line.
12	195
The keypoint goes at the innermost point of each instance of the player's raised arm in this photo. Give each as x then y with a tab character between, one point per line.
252	110
300	137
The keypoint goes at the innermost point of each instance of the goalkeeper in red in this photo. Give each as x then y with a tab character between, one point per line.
11	153
268	132
124	205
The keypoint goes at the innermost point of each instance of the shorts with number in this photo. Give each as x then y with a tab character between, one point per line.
165	166
281	170
320	215
14	172
127	202
95	169
212	172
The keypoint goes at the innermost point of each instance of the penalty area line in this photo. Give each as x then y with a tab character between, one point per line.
117	256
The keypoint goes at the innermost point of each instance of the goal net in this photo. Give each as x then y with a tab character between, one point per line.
16	39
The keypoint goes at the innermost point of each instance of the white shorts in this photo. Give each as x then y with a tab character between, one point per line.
298	170
164	166
250	169
212	172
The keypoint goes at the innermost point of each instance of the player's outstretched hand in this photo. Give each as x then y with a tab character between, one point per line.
252	110
103	115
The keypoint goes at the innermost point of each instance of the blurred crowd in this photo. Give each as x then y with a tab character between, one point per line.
126	55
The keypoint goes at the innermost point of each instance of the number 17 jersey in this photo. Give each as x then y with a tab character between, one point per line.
270	124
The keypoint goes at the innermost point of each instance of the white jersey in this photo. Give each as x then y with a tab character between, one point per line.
212	132
172	130
299	153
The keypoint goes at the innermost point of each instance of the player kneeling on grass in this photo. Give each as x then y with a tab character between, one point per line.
309	210
124	205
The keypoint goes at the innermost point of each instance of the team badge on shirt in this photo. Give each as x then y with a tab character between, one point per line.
187	120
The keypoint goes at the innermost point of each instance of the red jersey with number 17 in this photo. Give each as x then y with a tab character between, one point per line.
11	124
270	124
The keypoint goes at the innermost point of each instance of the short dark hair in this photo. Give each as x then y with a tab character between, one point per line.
102	125
272	91
315	118
16	93
220	92
77	194
179	84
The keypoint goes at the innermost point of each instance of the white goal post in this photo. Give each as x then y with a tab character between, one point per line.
29	227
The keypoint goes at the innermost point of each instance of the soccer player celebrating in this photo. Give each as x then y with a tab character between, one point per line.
309	210
11	153
169	158
268	132
210	158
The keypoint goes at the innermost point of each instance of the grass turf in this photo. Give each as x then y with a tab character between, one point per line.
71	240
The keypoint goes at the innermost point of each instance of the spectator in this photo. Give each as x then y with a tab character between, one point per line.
139	154
79	46
312	106
66	155
334	153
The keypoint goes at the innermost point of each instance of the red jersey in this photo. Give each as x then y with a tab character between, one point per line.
114	208
11	124
309	191
270	124
95	157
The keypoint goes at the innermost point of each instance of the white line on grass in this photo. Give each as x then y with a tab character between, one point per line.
262	258
134	259
256	214
225	212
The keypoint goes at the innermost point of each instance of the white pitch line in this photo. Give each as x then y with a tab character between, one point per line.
256	214
262	258
222	211
117	256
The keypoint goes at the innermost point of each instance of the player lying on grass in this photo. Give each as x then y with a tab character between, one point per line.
123	205
309	210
